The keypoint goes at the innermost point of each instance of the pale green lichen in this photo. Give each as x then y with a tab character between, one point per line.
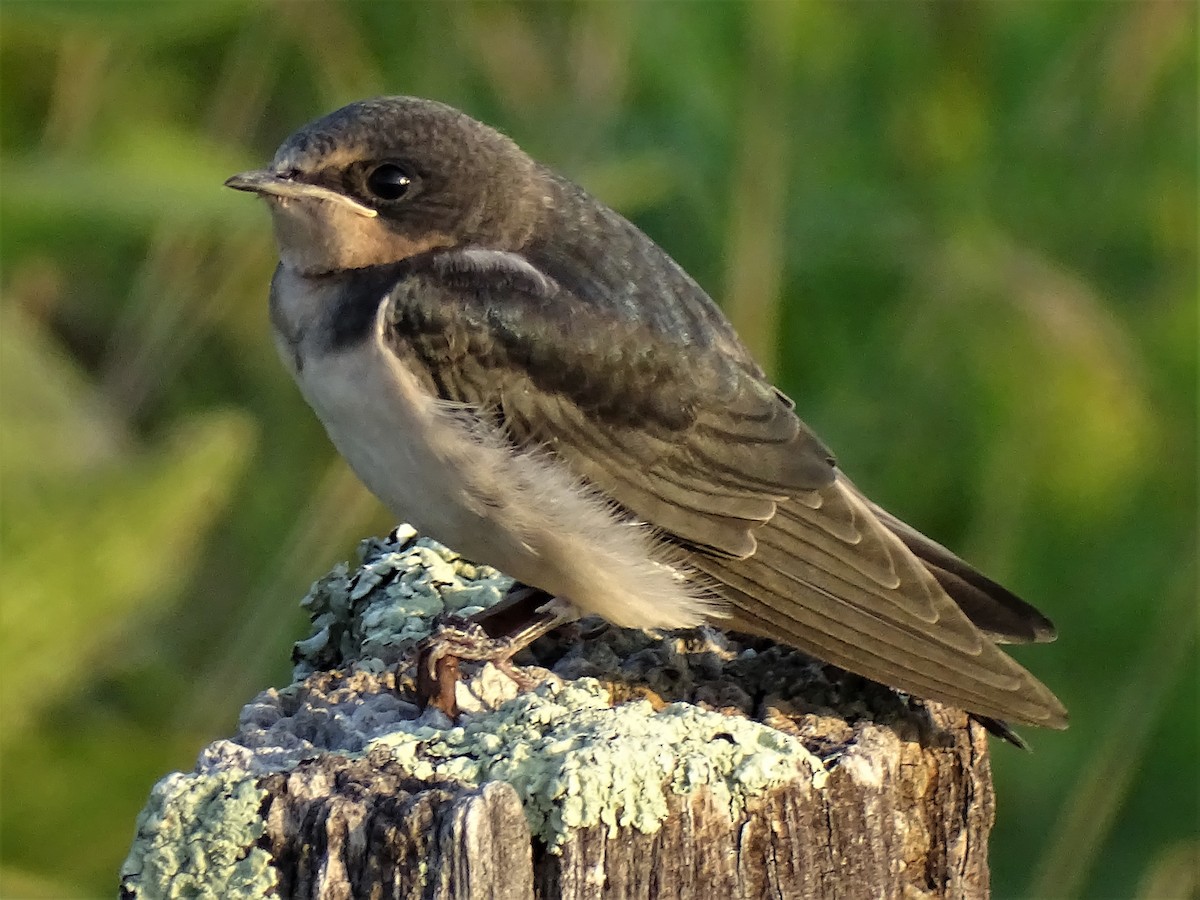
574	758
577	761
376	615
196	838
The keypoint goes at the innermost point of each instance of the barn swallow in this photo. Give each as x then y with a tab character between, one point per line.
522	374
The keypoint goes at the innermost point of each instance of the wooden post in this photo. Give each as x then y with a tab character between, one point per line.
689	765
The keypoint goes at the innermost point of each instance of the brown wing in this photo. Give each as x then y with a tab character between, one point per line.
830	578
695	442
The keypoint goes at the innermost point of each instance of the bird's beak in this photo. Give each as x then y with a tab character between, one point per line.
262	181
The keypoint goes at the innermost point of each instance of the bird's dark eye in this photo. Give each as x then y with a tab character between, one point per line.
389	181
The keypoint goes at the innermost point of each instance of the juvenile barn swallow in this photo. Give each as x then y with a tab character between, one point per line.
522	374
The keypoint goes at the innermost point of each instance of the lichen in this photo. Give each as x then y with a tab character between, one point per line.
377	614
196	838
598	743
578	761
575	757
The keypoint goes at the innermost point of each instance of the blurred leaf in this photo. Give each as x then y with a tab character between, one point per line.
1174	874
1108	775
146	20
631	185
15	883
101	764
1052	361
138	182
109	538
53	423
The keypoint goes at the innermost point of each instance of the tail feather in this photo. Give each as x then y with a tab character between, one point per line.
994	610
833	579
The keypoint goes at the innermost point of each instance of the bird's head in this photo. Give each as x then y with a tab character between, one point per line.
381	180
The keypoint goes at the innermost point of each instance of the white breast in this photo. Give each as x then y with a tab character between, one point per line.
379	420
523	512
385	426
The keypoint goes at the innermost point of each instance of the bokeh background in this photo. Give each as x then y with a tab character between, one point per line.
962	235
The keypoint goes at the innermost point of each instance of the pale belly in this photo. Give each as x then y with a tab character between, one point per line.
391	435
523	512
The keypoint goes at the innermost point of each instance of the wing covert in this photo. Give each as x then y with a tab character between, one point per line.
684	437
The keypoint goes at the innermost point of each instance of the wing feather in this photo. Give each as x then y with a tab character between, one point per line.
690	438
695	444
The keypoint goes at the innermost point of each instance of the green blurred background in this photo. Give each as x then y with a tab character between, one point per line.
962	235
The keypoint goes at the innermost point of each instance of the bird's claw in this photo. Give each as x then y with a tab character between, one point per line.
454	639
521	618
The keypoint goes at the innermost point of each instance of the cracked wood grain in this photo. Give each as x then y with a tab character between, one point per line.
898	818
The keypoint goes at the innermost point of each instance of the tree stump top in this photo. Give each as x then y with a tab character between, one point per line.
643	765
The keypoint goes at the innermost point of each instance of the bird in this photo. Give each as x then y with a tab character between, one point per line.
522	374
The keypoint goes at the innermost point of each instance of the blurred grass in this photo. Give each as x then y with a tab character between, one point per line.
963	236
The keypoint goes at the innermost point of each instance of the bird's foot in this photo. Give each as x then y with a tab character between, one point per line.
495	635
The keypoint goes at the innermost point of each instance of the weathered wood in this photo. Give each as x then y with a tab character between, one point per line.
896	819
340	829
695	766
916	826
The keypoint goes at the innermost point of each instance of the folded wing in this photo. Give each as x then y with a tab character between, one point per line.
694	441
